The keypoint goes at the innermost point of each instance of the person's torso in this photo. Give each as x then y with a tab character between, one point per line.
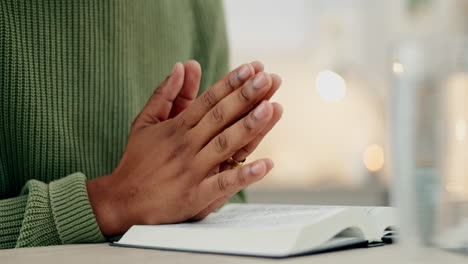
74	74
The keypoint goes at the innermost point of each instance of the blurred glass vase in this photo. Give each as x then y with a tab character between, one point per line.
428	143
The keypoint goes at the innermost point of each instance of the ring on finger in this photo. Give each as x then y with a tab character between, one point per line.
231	161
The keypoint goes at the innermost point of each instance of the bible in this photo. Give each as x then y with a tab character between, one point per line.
266	230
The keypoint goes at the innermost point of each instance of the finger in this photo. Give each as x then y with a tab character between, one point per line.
244	152
231	108
233	138
248	149
276	80
189	89
160	103
216	93
258	66
232	181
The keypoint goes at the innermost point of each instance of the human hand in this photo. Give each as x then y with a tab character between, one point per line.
187	94
166	172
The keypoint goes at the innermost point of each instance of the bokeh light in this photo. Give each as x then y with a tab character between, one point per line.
398	68
374	157
330	86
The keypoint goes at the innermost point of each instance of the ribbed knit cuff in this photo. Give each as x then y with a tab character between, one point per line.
37	226
72	211
11	217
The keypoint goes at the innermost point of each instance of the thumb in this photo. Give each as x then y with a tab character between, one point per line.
160	103
189	90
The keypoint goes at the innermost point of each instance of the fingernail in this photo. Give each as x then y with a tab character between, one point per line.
260	112
259	81
280	107
280	80
174	68
244	72
270	163
260	65
257	168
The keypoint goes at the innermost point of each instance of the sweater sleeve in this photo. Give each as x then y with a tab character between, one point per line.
49	214
212	50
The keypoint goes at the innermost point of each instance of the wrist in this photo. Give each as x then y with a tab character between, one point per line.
105	211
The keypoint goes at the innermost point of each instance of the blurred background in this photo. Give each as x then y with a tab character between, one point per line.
336	63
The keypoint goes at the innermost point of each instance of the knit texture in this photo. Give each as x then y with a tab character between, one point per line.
73	76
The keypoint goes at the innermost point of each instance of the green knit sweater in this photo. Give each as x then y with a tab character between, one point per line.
73	76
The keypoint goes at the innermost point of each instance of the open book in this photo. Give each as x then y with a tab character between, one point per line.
268	230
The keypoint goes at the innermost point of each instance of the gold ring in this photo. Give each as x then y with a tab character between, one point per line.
234	162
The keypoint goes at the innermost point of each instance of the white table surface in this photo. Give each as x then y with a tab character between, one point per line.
103	253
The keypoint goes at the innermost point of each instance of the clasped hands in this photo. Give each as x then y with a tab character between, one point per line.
173	168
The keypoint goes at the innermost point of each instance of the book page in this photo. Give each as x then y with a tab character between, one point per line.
382	217
264	216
